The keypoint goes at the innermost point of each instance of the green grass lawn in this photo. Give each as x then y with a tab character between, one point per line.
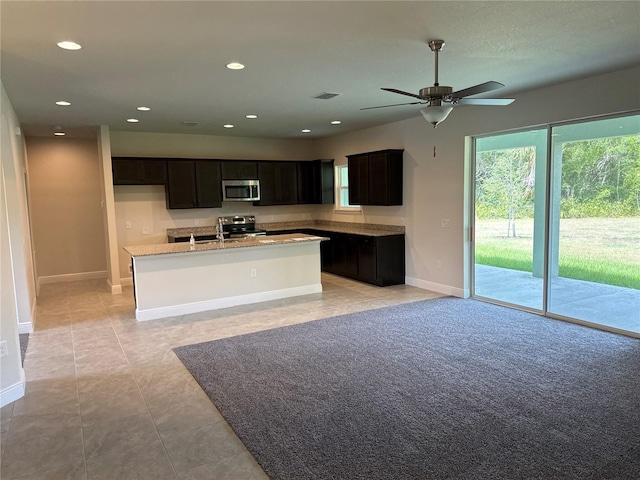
601	250
578	268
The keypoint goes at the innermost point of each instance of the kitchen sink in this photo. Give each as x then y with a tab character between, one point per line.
226	240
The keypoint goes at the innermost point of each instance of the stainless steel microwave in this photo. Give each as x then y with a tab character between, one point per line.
240	190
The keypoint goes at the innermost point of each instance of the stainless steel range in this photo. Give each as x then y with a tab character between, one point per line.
240	226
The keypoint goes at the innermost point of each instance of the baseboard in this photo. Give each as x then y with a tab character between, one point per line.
71	277
34	309
436	287
26	327
13	392
115	289
215	304
126	281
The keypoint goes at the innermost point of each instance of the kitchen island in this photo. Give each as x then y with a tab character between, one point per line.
173	279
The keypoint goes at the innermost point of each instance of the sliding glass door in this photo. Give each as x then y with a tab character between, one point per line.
510	172
557	221
594	242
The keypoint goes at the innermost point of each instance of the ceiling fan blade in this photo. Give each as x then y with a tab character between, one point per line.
484	101
394	105
393	90
481	88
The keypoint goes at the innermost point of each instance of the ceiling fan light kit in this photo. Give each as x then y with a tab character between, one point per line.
434	114
441	99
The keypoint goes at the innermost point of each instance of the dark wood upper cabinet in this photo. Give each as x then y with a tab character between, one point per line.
375	178
278	183
139	171
196	183
193	184
307	172
316	182
358	179
208	184
239	170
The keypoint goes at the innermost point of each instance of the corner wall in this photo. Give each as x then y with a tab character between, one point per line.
108	210
17	289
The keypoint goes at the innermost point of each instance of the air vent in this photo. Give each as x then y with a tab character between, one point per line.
326	95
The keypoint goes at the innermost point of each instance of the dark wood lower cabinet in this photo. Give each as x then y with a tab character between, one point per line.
367	259
375	260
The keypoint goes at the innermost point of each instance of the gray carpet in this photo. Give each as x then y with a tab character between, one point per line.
439	389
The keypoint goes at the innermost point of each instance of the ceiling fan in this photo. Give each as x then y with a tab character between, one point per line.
440	99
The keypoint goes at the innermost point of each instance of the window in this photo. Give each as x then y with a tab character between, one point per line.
342	190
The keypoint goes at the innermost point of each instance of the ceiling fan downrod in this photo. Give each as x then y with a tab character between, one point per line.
436	46
435	92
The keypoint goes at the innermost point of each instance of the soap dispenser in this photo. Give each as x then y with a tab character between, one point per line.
192	241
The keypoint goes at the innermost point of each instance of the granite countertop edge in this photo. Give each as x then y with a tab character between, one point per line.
185	247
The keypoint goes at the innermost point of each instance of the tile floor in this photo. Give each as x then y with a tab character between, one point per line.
106	398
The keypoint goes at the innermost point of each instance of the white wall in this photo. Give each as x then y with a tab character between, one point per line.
17	289
144	206
434	188
66	208
208	146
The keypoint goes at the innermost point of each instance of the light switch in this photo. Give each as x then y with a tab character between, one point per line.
127	224
146	230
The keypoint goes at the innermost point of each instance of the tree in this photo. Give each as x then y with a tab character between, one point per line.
600	176
505	181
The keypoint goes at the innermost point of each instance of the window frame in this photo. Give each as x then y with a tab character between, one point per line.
340	187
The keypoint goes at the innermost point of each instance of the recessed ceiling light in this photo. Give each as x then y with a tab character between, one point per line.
132	120
235	66
68	45
63	103
59	134
306	130
144	109
336	122
228	125
251	116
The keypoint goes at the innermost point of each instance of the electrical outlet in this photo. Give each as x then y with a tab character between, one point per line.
127	224
254	274
446	223
196	222
438	264
146	231
3	349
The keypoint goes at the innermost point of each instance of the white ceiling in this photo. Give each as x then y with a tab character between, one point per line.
171	56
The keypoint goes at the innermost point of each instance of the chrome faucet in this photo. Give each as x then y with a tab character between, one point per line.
220	231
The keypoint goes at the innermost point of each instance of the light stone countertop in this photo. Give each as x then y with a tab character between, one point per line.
213	245
368	229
